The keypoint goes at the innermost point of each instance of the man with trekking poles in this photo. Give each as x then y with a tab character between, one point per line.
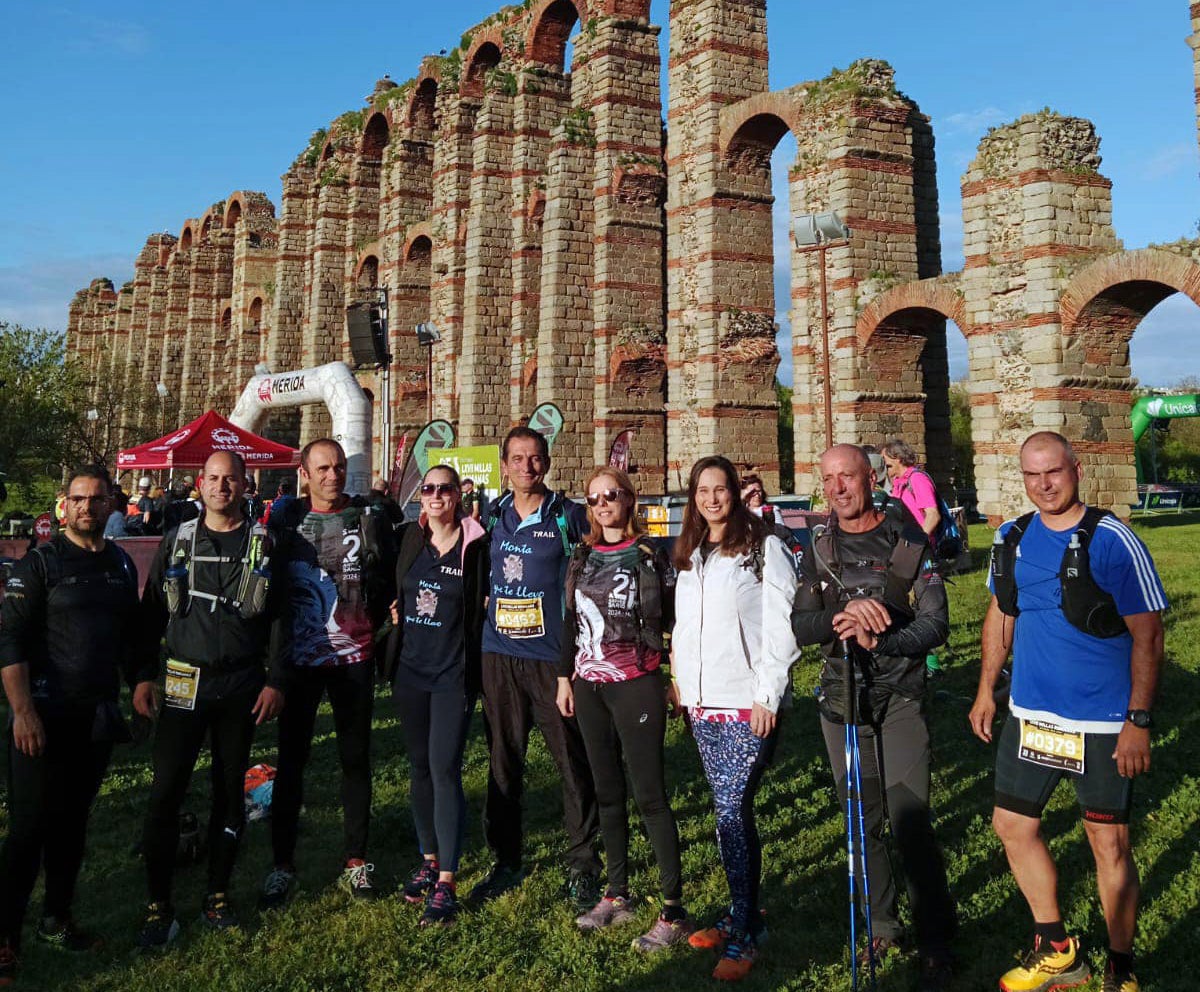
871	598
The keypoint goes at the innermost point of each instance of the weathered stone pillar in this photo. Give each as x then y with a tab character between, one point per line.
179	281
720	400
1035	209
484	413
627	293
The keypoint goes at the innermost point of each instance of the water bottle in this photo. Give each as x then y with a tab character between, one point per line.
1072	561
175	584
998	564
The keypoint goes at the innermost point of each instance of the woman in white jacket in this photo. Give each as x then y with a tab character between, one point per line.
732	651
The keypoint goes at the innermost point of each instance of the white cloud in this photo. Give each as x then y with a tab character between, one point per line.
37	293
1169	160
973	121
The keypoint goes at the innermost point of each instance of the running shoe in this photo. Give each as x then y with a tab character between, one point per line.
1046	968
499	879
1119	983
217	913
737	959
277	888
610	911
664	934
882	946
8	964
583	889
64	935
421	882
713	938
441	908
159	928
356	877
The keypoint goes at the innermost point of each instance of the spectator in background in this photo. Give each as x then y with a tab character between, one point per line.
472	499
114	527
910	485
381	499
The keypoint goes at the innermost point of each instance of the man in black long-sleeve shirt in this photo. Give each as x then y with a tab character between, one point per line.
206	613
869	584
68	619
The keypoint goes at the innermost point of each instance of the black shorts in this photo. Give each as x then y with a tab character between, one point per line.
1025	788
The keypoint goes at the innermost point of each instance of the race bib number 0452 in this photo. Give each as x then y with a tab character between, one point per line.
518	618
1051	746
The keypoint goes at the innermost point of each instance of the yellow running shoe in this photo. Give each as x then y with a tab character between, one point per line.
1046	968
1119	983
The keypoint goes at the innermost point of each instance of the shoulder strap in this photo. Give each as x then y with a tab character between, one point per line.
904	565
47	554
558	503
496	508
1092	516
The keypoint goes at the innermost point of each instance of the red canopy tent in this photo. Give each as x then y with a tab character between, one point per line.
191	445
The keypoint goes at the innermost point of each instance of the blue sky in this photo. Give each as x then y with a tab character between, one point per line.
127	122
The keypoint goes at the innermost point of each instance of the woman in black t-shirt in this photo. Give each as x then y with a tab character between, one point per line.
620	593
433	660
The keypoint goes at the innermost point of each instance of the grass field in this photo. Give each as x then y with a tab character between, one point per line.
527	940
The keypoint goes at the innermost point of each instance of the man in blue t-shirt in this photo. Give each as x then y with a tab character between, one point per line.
532	533
1080	706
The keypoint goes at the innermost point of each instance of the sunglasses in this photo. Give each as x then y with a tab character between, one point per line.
605	496
438	488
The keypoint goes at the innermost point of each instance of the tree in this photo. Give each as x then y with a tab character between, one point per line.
40	392
962	446
786	435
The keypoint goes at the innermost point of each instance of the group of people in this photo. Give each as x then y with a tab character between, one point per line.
568	617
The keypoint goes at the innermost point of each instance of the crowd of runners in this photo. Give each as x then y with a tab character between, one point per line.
565	615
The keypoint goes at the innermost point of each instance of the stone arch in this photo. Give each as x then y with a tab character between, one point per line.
233	213
375	136
418	245
927	295
1125	287
187	234
550	27
254	315
486	52
422	105
751	129
366	271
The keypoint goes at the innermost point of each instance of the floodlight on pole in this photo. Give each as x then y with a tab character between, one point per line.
819	232
427	336
162	391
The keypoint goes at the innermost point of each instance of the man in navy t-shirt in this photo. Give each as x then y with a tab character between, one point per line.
1080	707
533	531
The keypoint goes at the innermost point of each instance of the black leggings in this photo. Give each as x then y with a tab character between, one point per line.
630	718
351	690
229	724
435	734
49	798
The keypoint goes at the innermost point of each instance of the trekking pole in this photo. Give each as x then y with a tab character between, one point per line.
856	823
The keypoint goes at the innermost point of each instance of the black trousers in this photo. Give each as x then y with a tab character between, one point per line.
517	693
228	723
435	735
630	719
895	758
351	691
49	799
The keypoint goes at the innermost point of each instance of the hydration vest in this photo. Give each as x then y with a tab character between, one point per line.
558	505
899	572
649	607
1085	605
251	596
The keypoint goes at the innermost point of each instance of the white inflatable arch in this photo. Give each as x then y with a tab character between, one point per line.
335	386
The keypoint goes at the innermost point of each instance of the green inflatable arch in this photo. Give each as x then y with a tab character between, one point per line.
1150	408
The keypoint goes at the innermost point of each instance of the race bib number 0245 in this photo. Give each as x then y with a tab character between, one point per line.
518	618
181	685
1051	746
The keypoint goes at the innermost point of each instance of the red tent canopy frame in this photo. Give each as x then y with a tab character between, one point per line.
191	445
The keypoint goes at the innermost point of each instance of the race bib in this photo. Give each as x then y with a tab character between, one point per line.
519	618
181	685
1046	744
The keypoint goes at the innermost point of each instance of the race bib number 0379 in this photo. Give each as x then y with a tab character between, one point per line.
1051	746
518	618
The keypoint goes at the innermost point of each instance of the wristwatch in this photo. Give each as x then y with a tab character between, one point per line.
1140	718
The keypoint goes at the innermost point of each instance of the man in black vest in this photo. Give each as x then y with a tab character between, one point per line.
69	615
207	612
858	583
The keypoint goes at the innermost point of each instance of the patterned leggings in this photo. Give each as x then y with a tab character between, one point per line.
734	761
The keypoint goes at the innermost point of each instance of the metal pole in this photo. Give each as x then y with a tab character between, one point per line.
828	391
429	381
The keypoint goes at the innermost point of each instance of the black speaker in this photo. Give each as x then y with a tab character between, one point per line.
364	326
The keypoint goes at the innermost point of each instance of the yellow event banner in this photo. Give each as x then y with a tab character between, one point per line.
481	463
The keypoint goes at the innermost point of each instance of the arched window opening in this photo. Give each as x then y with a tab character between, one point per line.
368	273
254	324
233	214
420	252
486	58
226	323
551	36
421	115
375	136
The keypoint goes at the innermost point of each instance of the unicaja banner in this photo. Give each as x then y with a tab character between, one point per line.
481	463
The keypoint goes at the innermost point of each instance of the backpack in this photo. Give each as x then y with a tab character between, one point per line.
52	571
1085	605
649	608
558	506
947	536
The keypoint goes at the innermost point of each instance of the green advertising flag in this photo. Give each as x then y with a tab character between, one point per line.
481	463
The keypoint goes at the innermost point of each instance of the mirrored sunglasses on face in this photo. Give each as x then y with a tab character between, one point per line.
438	488
605	496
